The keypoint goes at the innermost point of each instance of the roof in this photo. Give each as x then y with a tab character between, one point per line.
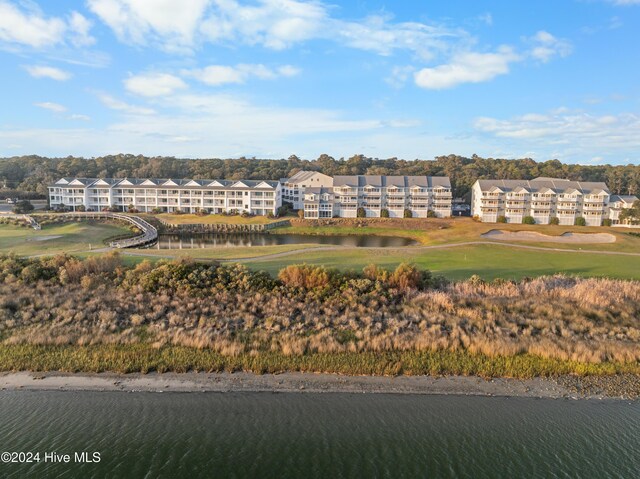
557	185
302	175
317	190
629	199
165	182
379	181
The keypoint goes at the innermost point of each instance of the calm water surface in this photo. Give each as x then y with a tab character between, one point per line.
189	241
319	435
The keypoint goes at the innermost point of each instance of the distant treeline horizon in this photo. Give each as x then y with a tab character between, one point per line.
32	173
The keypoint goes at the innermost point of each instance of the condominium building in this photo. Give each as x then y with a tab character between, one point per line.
542	199
167	195
617	203
374	193
293	188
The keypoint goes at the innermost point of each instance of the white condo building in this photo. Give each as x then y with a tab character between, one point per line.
293	188
166	195
617	203
542	199
374	193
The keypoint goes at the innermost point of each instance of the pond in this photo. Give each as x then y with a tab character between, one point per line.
210	240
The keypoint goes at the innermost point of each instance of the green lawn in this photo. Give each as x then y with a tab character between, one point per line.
52	239
488	261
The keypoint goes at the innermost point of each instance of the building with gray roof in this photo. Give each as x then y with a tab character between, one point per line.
541	198
167	195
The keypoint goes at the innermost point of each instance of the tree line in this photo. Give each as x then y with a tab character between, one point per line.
31	174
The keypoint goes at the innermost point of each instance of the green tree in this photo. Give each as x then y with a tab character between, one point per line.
23	207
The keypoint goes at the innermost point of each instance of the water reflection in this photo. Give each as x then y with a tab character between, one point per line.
192	241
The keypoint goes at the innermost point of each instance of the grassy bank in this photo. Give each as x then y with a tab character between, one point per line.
145	358
210	219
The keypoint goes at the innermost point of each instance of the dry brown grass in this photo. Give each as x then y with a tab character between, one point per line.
585	320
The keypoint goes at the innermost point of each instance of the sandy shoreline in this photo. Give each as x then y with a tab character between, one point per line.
300	383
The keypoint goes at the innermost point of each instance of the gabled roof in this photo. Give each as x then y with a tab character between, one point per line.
303	175
195	183
627	199
558	185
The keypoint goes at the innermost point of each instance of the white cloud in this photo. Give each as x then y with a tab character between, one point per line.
172	23
216	75
79	27
77	116
399	75
546	46
486	18
625	2
274	24
115	104
30	27
575	130
38	71
55	107
154	84
467	67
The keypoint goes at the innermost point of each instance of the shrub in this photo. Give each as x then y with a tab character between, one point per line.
384	213
23	207
156	211
502	219
607	222
375	273
270	215
361	213
554	221
406	277
528	220
81	208
300	214
202	212
580	221
407	213
431	214
305	276
284	209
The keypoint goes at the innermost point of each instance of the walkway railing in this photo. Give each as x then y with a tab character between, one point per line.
28	219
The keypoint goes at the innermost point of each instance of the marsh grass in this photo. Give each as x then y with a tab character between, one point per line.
144	359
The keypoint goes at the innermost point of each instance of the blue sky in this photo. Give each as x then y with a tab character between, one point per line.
271	78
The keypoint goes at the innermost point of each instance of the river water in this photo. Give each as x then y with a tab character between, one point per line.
189	241
268	435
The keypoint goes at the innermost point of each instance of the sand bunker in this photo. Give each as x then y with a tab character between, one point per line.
574	238
44	238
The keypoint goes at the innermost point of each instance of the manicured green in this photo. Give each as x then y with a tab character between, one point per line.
488	261
145	358
57	238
